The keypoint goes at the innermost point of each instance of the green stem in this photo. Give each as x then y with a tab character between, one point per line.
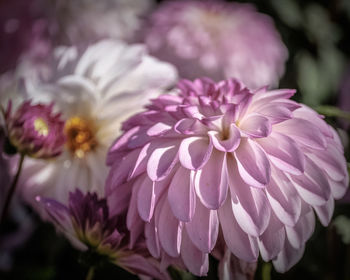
90	274
12	190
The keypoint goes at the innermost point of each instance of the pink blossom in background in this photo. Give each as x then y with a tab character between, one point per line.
213	157
87	223
35	130
218	40
24	30
87	21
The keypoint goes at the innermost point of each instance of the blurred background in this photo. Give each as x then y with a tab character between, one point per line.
317	36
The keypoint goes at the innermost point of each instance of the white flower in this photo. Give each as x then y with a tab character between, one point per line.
95	91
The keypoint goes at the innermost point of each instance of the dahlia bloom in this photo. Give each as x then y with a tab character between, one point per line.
86	222
95	90
218	157
218	40
35	130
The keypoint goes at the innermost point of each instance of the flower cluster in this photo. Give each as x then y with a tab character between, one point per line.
213	156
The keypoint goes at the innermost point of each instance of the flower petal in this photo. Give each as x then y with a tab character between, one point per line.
170	231
228	145
162	160
240	244
250	205
325	211
181	195
195	260
302	230
271	242
253	164
313	186
303	132
283	198
204	228
284	153
256	125
194	152
288	257
211	181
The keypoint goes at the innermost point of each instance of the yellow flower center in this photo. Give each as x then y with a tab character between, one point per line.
80	135
41	127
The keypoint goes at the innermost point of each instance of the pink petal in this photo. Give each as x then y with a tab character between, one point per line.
120	170
313	186
283	198
331	161
256	125
303	132
204	228
227	145
272	240
310	115
146	199
190	127
211	181
195	260
284	153
277	111
140	265
253	164
158	129
288	257
181	195
302	231
140	164
118	200
170	231
162	160
339	189
271	95
194	152
152	240
325	212
240	244
250	205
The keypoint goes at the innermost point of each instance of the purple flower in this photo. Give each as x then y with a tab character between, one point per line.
217	155
34	130
86	222
219	40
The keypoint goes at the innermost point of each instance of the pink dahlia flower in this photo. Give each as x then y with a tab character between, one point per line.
219	40
219	157
35	130
87	223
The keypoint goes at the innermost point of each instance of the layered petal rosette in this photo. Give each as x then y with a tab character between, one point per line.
216	159
35	130
217	39
95	89
87	223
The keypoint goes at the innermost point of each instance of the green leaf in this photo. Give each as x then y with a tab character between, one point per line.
331	111
342	225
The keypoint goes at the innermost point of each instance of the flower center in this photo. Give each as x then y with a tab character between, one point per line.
80	136
41	127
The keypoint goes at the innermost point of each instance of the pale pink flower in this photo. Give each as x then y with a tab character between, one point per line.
217	155
87	223
218	40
